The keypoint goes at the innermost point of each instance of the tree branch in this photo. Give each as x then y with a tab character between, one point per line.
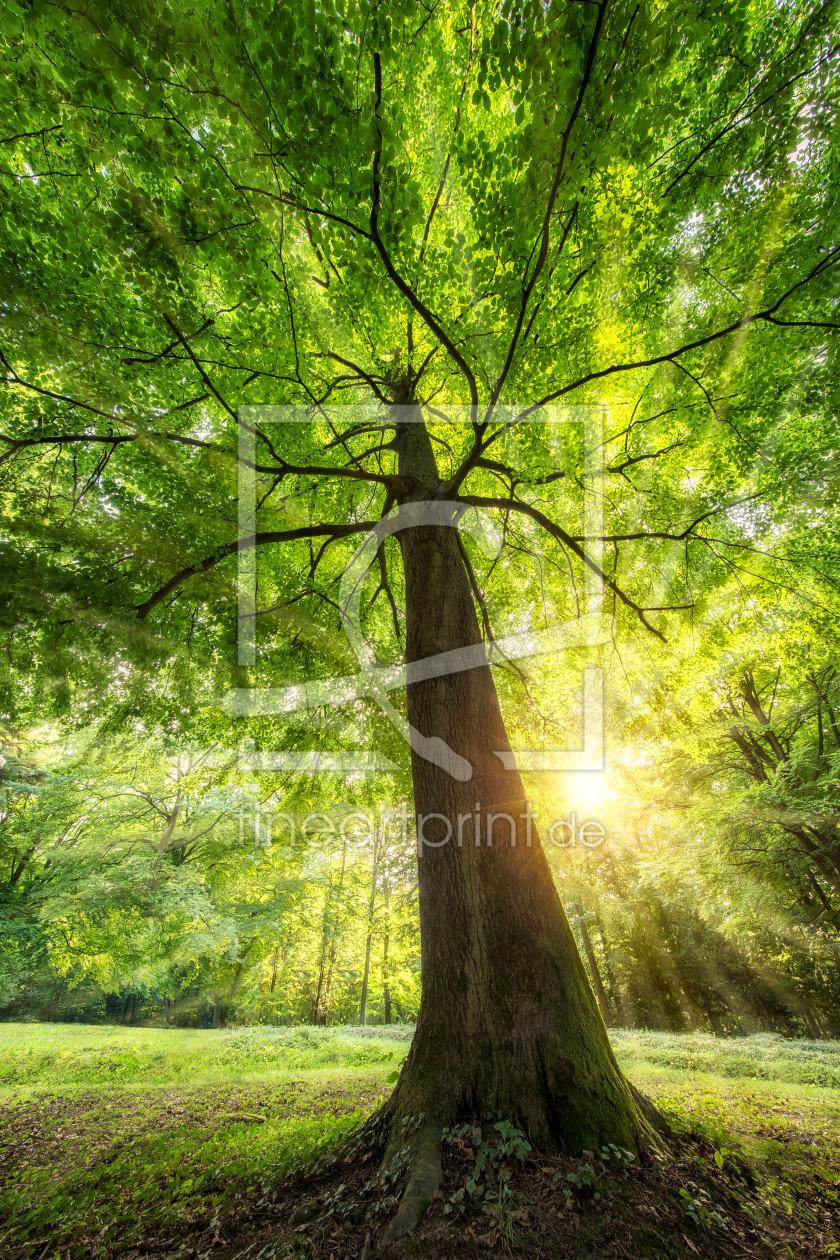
260	539
765	316
546	223
404	288
574	546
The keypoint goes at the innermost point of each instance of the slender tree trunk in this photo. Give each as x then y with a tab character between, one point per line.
365	977
237	980
386	992
326	998
326	1001
374	871
507	1019
314	1017
274	969
614	994
217	1010
315	1014
597	982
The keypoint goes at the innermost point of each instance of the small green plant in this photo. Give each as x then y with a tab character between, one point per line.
494	1161
583	1178
582	1181
617	1156
700	1209
503	1209
512	1141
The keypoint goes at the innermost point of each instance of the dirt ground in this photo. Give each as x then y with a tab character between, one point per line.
534	1210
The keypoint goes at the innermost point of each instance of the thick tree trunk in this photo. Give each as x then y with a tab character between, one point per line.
508	1021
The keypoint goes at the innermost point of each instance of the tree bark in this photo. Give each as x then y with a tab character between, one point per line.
507	1021
386	992
365	978
376	859
594	971
614	994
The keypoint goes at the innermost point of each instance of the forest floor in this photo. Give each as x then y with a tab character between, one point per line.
180	1145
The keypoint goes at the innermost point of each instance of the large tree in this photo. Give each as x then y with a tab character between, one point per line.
493	207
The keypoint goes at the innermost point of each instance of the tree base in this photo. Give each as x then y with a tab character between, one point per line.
410	1150
546	1206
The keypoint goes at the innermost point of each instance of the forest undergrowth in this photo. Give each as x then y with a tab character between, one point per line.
127	1142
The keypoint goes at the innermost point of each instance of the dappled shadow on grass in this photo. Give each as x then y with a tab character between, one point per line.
200	1168
95	1173
203	1174
608	1211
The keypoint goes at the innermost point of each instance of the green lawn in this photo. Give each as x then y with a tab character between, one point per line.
109	1132
765	1102
67	1057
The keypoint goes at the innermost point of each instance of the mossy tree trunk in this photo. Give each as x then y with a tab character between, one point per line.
508	1020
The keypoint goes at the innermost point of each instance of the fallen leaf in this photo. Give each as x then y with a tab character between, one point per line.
691	1245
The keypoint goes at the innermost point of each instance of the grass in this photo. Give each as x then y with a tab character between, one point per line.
765	1056
767	1104
109	1133
72	1056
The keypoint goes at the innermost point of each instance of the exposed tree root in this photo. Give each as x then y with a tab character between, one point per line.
408	1152
605	1203
424	1179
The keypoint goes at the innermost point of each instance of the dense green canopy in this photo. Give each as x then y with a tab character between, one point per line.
488	211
